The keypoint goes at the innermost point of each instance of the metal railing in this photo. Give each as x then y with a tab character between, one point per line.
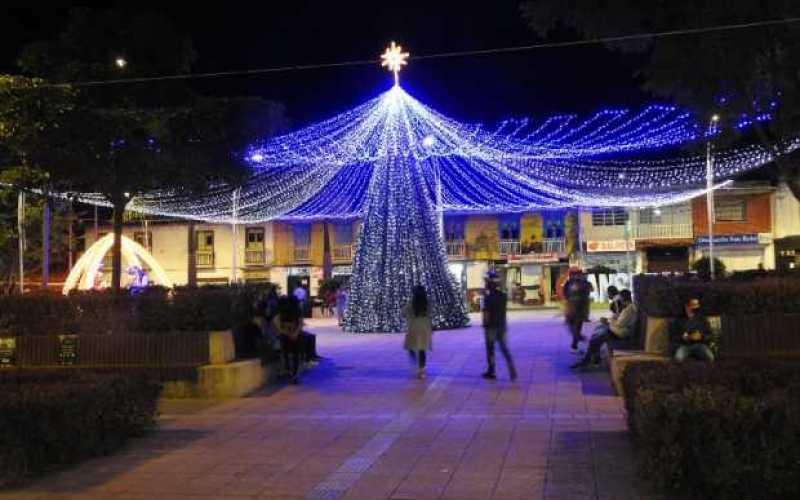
255	257
302	254
456	248
204	258
343	252
553	245
642	231
509	247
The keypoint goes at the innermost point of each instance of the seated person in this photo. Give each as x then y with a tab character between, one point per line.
693	334
620	327
613	300
288	323
308	347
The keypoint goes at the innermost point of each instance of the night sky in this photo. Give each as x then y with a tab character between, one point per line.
476	88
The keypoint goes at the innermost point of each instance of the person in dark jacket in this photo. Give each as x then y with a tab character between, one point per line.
494	324
288	323
577	291
614	300
693	334
621	326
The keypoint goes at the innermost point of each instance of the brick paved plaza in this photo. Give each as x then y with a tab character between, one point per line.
360	426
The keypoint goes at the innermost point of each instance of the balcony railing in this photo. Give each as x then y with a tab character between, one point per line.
256	257
648	231
456	248
343	252
205	258
302	254
553	245
509	247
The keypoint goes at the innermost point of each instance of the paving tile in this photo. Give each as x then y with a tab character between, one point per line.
360	426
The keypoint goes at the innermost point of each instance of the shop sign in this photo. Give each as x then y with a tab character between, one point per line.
342	270
68	349
533	258
610	246
729	239
8	351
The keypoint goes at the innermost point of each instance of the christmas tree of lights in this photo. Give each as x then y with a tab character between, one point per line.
400	165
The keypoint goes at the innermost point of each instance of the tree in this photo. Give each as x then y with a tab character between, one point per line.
121	142
92	40
738	74
702	267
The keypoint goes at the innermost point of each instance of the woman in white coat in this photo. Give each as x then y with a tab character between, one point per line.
420	331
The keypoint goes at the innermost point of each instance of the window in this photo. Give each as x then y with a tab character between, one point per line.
609	217
146	242
730	209
454	229
205	249
343	233
255	238
205	241
302	235
650	216
509	228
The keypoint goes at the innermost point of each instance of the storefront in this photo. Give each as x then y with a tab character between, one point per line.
787	253
609	262
738	252
527	278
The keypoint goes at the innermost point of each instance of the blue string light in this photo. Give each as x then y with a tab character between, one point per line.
398	164
612	158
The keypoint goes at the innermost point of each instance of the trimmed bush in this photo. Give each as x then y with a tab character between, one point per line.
752	294
48	421
154	311
728	431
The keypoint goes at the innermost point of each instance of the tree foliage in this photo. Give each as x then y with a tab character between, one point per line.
122	140
737	74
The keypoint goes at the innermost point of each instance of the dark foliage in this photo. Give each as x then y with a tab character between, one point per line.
754	293
726	431
48	421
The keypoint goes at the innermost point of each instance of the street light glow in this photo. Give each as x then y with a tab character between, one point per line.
120	62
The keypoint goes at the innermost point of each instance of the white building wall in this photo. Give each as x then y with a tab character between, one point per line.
785	213
171	248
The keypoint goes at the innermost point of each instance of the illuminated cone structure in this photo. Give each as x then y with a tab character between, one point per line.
397	164
400	247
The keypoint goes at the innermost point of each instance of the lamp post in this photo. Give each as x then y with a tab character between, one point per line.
710	194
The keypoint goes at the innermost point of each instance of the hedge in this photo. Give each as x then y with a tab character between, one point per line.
746	294
48	421
726	431
154	311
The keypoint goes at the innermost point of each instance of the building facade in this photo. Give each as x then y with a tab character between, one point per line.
757	226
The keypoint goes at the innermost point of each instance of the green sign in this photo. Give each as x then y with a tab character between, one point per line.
8	351
68	349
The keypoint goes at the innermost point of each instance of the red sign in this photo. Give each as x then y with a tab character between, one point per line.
534	258
610	246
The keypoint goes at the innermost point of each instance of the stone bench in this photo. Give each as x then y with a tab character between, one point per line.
223	377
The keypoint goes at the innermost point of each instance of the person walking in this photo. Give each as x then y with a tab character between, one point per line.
577	290
420	330
288	323
495	329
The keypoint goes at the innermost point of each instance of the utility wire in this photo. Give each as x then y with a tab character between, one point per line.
441	55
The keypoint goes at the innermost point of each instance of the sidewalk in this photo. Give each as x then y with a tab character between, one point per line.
359	426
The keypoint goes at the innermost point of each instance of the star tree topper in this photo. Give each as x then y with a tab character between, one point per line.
394	59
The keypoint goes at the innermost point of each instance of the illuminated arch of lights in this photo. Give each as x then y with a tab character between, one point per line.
85	271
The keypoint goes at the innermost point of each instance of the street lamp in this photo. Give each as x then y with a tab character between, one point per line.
710	192
120	62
